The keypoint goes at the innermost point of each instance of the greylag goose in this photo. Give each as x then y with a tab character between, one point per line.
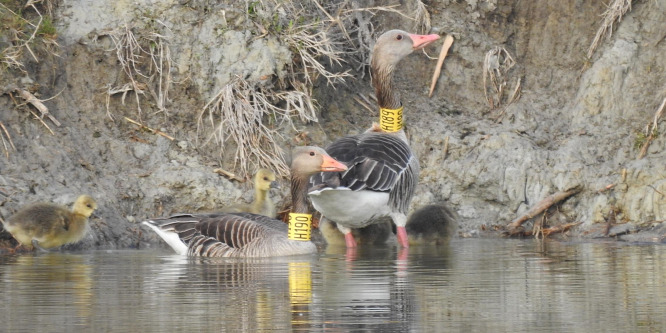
46	225
251	235
383	170
264	181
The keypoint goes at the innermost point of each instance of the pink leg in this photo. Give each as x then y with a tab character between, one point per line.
402	237
349	240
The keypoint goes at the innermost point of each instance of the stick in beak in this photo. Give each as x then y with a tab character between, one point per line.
330	164
420	41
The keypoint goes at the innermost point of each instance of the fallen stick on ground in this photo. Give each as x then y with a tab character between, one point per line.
547	231
542	206
149	129
37	103
228	174
448	41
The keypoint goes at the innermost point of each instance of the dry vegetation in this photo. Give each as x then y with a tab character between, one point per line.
28	30
132	45
616	9
496	66
245	115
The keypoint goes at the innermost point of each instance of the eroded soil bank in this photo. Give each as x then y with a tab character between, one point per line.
574	122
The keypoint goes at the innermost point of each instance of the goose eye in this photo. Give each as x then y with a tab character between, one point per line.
312	153
398	37
266	178
89	206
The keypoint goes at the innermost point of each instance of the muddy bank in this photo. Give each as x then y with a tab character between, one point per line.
576	122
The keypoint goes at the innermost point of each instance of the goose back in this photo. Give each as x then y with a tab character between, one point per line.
378	162
231	235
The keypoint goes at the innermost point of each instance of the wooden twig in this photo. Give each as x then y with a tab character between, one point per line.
228	174
366	100
652	187
9	138
542	206
606	188
448	41
359	101
547	231
657	116
446	148
37	103
149	129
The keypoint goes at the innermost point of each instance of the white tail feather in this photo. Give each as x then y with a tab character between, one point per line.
170	238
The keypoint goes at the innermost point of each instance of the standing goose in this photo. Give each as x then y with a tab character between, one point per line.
383	170
264	181
46	225
251	235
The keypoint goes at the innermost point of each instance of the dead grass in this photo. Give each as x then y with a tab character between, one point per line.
421	15
616	9
496	66
25	33
247	115
238	113
145	58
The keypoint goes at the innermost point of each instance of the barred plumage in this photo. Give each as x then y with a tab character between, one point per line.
245	234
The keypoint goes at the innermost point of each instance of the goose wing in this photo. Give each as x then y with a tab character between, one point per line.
219	234
376	162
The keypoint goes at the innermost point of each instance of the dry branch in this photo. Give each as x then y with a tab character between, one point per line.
9	139
448	41
446	148
150	129
37	103
652	129
541	206
228	174
545	232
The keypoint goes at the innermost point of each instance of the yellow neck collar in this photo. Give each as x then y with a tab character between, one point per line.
390	120
300	226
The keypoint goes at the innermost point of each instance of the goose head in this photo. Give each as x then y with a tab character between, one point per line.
307	161
84	205
264	180
394	45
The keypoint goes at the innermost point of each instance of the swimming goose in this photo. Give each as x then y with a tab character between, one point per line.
383	170
264	181
251	235
46	225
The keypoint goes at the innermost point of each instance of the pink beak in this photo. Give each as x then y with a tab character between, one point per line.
420	41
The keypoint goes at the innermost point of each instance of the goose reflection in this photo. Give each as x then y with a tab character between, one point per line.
251	294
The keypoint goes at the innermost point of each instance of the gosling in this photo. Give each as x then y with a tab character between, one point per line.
46	225
264	180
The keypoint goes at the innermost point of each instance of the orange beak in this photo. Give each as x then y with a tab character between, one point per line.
331	164
420	41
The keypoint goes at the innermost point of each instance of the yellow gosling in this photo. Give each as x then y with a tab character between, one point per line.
264	181
46	225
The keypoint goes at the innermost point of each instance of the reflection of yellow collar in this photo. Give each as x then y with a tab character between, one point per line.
300	226
390	120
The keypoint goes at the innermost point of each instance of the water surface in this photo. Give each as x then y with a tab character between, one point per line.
472	285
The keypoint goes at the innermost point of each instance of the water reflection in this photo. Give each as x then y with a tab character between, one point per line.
471	285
